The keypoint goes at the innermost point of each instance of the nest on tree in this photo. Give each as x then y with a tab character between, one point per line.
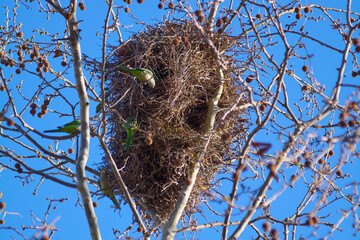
170	117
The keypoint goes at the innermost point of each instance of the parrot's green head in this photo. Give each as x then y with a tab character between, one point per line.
129	123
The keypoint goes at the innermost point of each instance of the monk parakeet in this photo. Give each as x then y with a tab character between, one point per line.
106	188
144	75
71	127
130	126
98	108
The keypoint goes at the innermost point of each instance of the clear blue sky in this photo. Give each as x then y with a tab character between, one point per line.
72	221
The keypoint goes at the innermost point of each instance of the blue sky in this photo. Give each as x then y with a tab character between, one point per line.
71	220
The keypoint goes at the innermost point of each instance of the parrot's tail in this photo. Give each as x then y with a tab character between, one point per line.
124	68
54	130
115	202
128	143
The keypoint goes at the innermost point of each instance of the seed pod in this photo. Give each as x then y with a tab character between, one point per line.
250	78
266	226
32	112
263	107
293	178
184	38
46	63
176	42
304	88
58	53
352	123
274	233
82	6
10	122
68	16
226	137
219	22
315	220
19	34
148	140
201	18
309	221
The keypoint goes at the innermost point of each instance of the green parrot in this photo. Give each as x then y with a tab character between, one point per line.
71	127
98	108
130	127
144	75
106	188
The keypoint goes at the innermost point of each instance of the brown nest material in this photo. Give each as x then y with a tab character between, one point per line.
171	115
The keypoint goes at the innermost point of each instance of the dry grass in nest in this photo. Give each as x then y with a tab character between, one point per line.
173	114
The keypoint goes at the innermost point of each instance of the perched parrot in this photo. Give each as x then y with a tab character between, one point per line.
142	74
71	127
106	188
98	108
130	129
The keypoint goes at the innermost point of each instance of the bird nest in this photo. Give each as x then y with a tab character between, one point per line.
170	117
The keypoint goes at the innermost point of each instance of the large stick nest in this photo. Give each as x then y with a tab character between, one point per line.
172	114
